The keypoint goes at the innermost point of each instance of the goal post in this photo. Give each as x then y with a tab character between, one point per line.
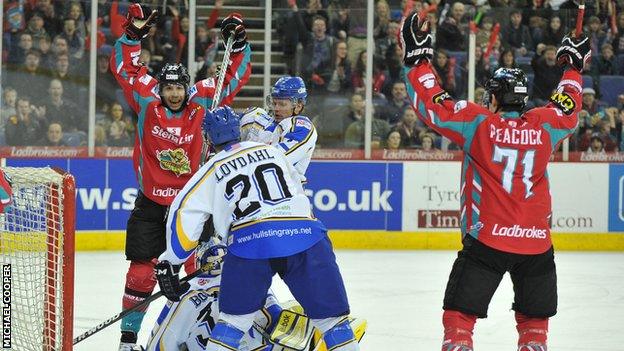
37	248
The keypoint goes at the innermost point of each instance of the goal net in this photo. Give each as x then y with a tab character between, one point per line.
37	256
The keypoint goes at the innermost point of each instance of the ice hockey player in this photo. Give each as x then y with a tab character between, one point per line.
294	133
257	201
505	199
187	324
168	146
284	127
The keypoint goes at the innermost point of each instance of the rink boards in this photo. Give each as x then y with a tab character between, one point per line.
373	205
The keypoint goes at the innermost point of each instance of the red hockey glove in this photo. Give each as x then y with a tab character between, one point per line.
233	25
139	21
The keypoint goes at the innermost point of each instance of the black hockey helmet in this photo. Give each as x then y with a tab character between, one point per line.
510	87
174	74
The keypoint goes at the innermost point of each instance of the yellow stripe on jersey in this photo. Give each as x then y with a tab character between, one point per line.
246	224
186	243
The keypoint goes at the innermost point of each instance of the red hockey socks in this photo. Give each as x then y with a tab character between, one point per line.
532	332
457	330
140	282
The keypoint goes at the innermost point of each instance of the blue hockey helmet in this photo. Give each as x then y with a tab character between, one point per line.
288	87
221	125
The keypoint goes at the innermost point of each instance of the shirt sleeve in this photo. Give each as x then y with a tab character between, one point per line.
297	139
131	76
187	214
236	76
434	106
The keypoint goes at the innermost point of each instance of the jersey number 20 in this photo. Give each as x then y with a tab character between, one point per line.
510	157
270	185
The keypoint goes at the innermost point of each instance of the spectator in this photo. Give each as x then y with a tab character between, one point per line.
340	79
359	73
450	34
484	31
54	136
445	70
18	52
483	67
478	95
71	83
607	134
428	142
507	59
410	128
596	145
45	51
75	13
517	35
554	33
354	136
30	79
51	12
117	135
106	84
339	25
617	39
61	110
100	136
116	113
547	74
605	64
394	62
388	41
36	29
392	110
24	128
75	41
382	20
9	100
393	141
596	35
317	46
590	103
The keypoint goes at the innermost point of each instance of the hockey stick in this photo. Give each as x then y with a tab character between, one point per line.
218	88
224	65
124	313
579	18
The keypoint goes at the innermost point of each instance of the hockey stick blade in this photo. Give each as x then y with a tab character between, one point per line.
124	313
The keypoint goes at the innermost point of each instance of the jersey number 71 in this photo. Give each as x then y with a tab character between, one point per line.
510	157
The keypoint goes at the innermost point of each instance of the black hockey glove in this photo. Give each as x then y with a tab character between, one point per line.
139	21
233	25
168	280
415	40
575	52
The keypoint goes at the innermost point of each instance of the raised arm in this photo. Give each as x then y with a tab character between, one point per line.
433	105
238	69
124	62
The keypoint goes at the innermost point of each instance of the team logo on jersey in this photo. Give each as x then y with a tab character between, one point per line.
208	83
460	105
428	80
564	102
303	123
441	96
175	161
192	91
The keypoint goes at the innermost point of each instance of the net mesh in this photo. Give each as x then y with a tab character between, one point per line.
32	243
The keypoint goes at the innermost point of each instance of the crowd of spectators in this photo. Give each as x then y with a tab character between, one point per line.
332	60
45	70
46	43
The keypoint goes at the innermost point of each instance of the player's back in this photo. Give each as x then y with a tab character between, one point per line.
507	203
258	196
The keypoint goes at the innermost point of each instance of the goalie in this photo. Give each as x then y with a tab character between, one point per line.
187	324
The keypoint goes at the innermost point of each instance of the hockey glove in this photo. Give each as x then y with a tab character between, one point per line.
415	40
139	21
168	280
233	25
574	51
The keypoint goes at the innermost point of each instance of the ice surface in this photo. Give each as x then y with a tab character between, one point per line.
400	294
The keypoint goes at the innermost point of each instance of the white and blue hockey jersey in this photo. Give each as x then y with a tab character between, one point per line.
296	136
189	322
257	125
257	202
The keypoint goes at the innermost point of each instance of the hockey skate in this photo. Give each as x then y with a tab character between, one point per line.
532	346
448	346
128	342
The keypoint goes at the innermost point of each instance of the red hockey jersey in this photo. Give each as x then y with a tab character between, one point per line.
505	199
168	145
